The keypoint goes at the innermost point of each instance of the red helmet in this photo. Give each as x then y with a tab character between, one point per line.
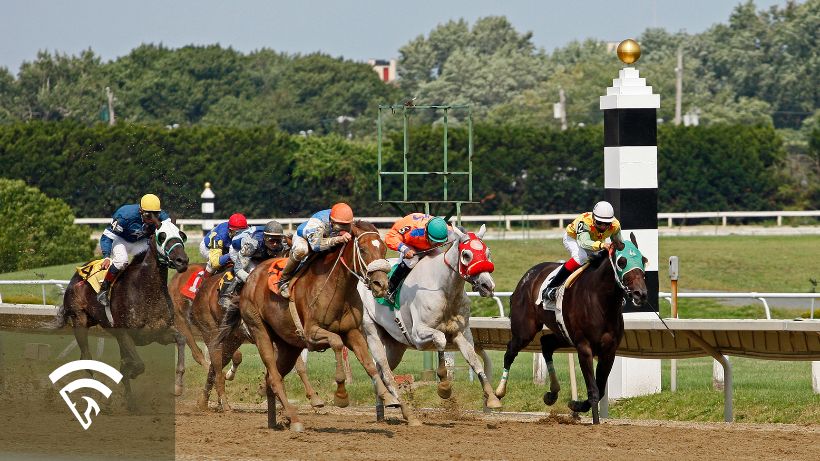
237	221
341	213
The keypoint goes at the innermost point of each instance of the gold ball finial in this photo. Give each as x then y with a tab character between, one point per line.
629	51
207	185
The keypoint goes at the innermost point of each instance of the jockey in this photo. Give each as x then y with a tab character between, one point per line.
126	236
214	247
587	233
323	231
410	235
247	249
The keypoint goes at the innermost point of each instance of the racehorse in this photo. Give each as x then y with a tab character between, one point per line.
141	308
592	309
434	311
324	311
182	310
207	315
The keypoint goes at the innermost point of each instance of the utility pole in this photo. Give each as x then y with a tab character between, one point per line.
678	86
559	110
110	94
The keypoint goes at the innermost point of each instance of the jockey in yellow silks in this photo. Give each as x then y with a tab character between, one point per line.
587	233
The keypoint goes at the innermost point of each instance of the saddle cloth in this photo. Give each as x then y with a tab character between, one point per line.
93	273
556	307
275	274
190	287
395	305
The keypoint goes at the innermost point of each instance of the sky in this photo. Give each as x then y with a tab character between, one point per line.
357	30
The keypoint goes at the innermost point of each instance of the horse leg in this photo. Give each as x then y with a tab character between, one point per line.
202	402
585	359
183	326
268	354
382	346
180	372
81	335
319	338
464	341
218	353
549	343
310	393
286	356
521	336
605	360
130	365
236	360
445	387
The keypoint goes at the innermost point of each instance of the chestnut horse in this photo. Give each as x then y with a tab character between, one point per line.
592	309
324	311
206	316
140	306
182	310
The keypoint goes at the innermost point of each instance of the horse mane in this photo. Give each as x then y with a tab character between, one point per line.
365	226
595	259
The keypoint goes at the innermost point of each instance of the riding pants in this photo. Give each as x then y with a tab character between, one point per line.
577	253
122	250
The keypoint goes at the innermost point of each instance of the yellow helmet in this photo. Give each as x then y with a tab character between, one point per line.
150	202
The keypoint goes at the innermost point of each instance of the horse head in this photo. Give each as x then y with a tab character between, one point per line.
369	262
170	245
474	263
629	270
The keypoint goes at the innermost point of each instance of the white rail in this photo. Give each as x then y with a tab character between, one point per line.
561	218
59	283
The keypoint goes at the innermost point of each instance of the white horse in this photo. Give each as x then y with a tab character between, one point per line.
434	311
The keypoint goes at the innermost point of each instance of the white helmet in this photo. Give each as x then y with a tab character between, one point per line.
603	212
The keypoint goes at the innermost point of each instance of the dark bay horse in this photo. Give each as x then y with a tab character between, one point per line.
206	316
324	311
140	306
593	316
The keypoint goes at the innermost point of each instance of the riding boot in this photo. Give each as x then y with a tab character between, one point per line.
287	273
395	281
559	279
105	286
226	293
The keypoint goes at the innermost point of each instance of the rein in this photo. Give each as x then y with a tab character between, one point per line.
627	291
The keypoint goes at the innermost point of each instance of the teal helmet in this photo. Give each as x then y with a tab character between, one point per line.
437	230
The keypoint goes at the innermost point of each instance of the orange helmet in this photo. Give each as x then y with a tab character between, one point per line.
237	221
341	213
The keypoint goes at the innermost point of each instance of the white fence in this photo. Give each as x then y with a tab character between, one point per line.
526	219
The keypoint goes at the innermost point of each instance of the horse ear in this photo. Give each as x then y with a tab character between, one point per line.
645	261
458	233
621	262
632	237
481	231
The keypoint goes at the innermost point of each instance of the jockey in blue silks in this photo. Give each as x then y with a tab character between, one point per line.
249	248
323	231
216	244
126	236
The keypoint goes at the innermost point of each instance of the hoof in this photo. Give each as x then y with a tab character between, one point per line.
550	398
415	422
178	389
341	402
316	402
202	403
579	407
445	389
501	391
391	402
225	407
230	375
493	403
297	427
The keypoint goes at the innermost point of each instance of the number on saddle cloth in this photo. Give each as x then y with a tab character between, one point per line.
275	274
93	273
190	287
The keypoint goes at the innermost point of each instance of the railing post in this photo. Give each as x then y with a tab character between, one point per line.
207	197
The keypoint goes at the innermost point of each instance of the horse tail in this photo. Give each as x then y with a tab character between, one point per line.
59	320
230	321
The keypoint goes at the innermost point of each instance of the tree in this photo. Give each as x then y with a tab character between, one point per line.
36	230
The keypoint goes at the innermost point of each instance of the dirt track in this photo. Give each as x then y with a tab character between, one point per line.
337	434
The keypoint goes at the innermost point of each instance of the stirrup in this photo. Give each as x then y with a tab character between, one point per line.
102	297
552	293
284	290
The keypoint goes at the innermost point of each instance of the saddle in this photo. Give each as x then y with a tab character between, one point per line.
570	280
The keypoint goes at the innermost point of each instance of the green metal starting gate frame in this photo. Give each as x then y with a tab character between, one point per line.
406	111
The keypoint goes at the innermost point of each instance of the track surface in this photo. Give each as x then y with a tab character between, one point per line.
337	434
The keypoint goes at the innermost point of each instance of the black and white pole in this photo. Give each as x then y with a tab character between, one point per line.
207	197
631	186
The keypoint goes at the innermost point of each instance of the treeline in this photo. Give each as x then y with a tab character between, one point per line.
263	171
760	67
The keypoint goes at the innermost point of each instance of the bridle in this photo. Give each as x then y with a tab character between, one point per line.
616	271
361	269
